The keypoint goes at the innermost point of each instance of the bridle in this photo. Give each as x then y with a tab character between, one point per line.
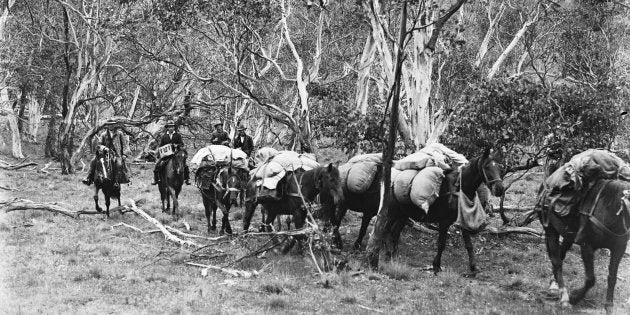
488	182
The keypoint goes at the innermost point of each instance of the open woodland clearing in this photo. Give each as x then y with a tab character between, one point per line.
56	264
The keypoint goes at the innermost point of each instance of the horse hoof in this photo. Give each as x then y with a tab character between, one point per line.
609	307
99	210
212	228
565	304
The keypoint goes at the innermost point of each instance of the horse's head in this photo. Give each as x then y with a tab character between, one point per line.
179	158
103	169
233	182
491	172
328	182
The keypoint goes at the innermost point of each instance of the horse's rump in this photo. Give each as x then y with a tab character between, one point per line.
606	206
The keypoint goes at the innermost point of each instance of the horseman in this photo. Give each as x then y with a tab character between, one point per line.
219	136
171	136
114	139
243	141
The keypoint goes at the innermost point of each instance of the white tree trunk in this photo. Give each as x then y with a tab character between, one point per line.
418	83
483	48
497	64
4	15
34	117
363	80
11	117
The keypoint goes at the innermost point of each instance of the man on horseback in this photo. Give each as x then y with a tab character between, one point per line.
114	139
219	136
243	141
170	137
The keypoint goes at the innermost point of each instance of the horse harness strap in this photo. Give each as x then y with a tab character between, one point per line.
599	223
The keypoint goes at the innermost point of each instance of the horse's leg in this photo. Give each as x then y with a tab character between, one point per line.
337	218
98	208
214	206
556	255
615	258
250	206
207	210
442	235
107	203
397	228
225	223
587	252
365	222
472	262
174	195
298	222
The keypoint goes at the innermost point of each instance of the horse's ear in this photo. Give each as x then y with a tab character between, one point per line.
330	167
486	153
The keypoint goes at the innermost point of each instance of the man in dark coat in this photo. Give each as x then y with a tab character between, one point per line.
219	136
243	141
171	136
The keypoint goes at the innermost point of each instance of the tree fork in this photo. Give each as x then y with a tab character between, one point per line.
381	234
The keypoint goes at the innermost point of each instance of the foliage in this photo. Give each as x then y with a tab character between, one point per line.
518	115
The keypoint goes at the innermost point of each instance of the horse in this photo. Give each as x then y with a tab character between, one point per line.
104	175
366	203
171	179
227	192
602	220
444	210
321	181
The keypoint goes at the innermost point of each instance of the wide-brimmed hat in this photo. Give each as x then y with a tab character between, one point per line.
241	128
217	123
170	123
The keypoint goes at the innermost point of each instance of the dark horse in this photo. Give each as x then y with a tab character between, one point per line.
444	210
104	174
366	203
171	179
226	192
323	181
602	220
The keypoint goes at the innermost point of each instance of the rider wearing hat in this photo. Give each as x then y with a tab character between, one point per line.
219	136
114	139
171	136
243	141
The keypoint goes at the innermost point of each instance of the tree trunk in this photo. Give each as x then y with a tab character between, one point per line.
363	80
483	48
34	118
4	15
497	64
381	239
9	113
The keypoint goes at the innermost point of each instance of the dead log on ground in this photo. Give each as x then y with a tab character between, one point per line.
23	204
13	167
230	271
512	230
167	234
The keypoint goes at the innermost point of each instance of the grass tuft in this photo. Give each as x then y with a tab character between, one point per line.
347	299
397	270
278	303
95	273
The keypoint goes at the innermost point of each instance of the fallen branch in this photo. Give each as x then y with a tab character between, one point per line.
13	167
515	230
369	309
45	169
180	233
6	188
230	271
168	235
419	227
23	204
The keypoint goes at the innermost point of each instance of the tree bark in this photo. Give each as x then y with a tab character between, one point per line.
34	118
380	239
483	48
4	15
7	110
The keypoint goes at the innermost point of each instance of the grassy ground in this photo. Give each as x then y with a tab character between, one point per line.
55	264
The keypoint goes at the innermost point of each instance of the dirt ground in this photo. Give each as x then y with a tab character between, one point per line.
56	264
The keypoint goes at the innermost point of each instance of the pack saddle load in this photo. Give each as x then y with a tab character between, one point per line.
420	174
208	159
268	174
563	187
358	173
